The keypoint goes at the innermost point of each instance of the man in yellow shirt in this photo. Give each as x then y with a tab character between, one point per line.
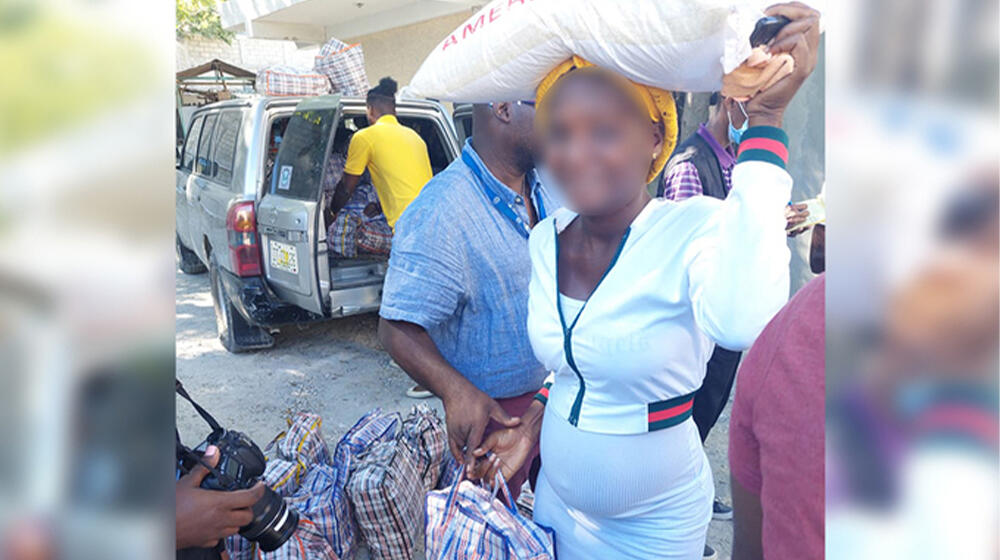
394	154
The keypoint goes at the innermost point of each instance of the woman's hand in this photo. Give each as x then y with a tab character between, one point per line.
503	450
507	450
800	39
795	214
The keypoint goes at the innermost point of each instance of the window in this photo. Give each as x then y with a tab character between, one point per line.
299	168
203	165
463	124
187	158
226	136
433	136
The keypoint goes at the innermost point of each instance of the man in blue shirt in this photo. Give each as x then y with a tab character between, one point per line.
455	302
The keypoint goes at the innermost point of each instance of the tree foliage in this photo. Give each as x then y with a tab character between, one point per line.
199	18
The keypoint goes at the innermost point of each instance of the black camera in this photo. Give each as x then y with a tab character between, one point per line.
241	464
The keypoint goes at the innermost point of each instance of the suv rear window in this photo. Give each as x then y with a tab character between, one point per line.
299	167
433	136
203	165
226	133
191	143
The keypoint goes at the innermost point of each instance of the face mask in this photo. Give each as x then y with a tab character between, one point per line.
736	133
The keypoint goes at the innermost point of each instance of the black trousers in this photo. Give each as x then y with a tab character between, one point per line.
713	395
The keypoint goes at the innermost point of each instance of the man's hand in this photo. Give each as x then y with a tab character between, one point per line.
795	214
206	516
467	412
800	39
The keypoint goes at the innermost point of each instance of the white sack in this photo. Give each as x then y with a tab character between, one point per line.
505	49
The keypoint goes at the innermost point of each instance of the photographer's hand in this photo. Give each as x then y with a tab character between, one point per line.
206	516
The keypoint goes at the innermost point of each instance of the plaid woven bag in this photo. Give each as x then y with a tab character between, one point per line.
372	428
386	494
344	66
467	521
299	470
288	81
424	434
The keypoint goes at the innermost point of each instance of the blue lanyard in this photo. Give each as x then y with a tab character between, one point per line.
505	209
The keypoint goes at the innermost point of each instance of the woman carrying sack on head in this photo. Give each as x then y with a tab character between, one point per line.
628	296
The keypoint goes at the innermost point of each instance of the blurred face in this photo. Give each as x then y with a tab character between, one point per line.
597	143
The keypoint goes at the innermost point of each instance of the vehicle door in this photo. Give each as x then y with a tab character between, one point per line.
216	192
199	182
289	214
462	117
185	170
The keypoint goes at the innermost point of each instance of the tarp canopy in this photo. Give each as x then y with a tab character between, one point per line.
312	22
217	67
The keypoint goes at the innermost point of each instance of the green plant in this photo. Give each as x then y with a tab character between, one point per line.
199	18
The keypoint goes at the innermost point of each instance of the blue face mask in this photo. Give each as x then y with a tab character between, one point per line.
735	134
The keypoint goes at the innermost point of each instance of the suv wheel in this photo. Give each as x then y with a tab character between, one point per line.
235	332
187	260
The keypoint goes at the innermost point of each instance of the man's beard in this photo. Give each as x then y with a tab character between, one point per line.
525	158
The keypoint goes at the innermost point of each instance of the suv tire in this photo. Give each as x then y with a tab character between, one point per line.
187	260
235	332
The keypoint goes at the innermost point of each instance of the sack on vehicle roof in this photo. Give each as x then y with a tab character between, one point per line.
507	47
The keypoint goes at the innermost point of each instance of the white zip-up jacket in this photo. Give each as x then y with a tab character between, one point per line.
688	275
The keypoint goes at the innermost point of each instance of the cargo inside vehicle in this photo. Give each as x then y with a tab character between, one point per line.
354	283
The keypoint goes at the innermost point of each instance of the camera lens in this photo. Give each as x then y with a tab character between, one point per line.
273	522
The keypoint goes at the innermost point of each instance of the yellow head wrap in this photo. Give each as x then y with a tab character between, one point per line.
658	102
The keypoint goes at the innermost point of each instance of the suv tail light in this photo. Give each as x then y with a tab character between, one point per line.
241	225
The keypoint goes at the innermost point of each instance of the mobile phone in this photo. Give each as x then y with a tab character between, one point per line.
766	29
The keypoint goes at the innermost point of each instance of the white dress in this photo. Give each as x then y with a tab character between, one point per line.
623	473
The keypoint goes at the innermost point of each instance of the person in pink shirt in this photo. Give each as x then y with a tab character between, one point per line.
776	435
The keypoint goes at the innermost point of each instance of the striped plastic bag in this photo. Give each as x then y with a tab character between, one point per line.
386	494
371	429
424	433
299	470
467	521
287	81
344	65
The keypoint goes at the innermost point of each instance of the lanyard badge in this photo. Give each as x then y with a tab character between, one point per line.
505	209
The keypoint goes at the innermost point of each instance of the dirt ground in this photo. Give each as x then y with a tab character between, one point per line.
336	369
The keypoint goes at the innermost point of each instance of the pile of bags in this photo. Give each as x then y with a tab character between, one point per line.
505	49
286	80
338	68
373	485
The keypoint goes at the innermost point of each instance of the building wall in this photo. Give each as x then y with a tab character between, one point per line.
252	54
398	52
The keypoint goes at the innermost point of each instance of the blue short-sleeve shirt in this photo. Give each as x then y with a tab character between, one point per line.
460	269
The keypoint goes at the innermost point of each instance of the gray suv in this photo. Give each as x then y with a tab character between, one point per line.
250	210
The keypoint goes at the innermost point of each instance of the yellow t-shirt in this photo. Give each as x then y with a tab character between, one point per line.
397	158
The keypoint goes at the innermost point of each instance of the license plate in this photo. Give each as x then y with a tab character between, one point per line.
284	257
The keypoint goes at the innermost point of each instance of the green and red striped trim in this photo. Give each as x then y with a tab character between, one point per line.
764	143
668	413
542	395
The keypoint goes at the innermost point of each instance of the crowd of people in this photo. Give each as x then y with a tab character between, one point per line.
585	336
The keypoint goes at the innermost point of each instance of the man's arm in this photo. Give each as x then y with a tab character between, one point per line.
342	194
467	409
747	523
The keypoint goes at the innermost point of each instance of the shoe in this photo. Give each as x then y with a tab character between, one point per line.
418	392
709	554
721	511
